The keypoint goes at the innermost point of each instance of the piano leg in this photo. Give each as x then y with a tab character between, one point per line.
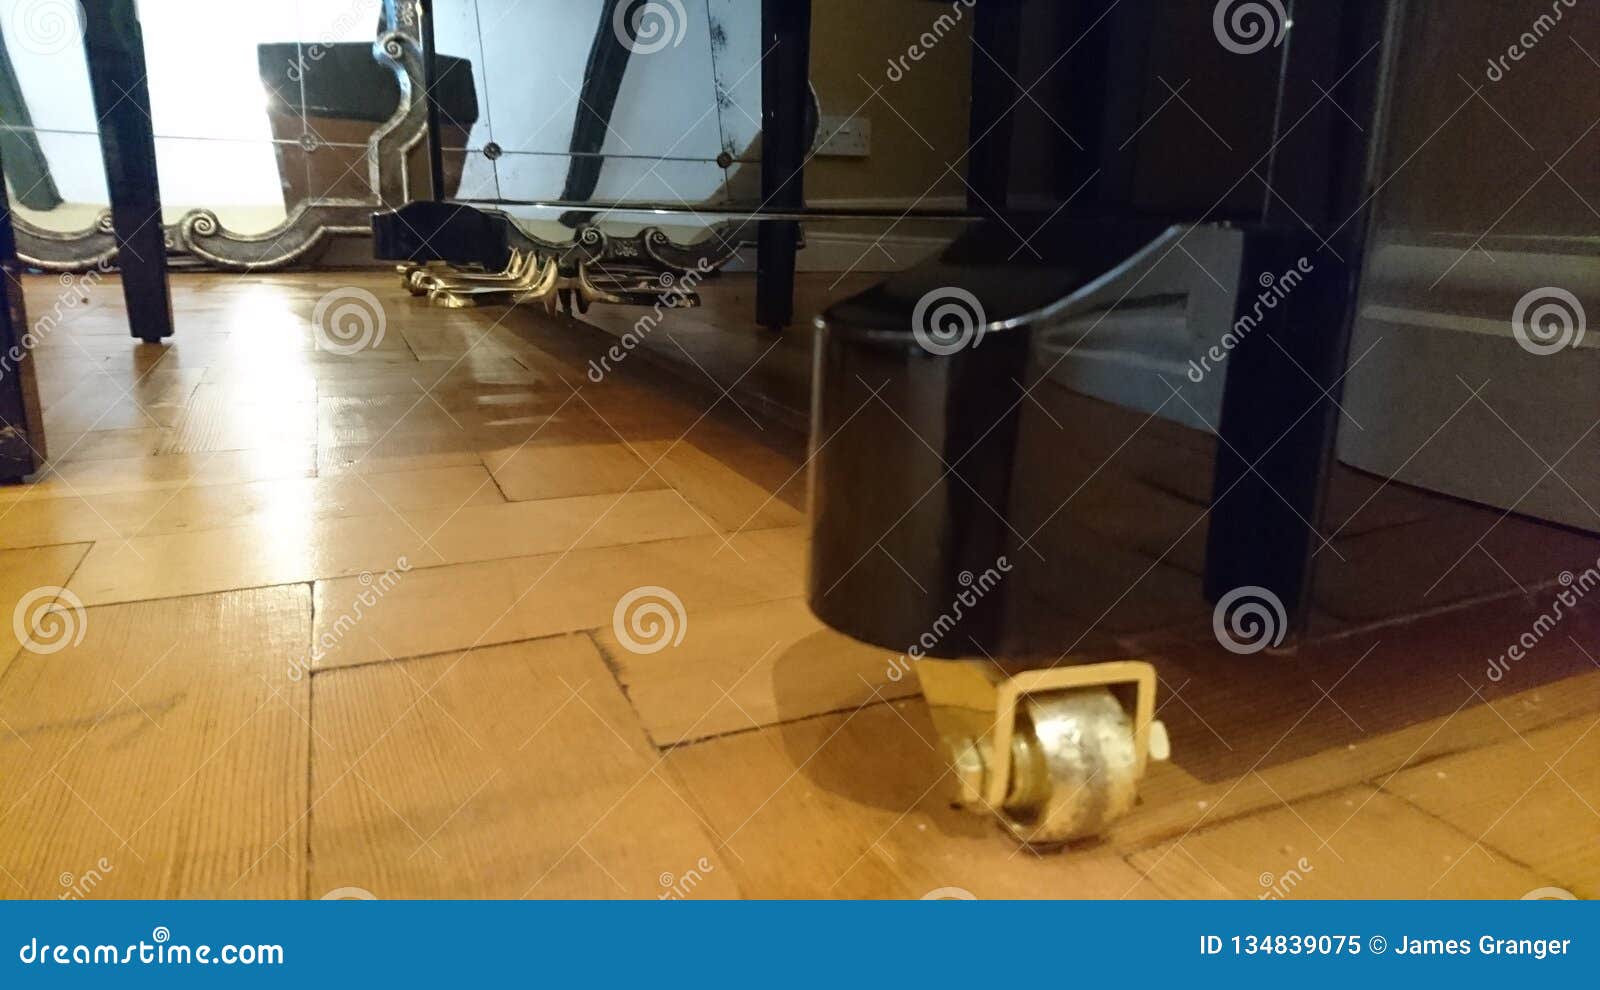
1056	754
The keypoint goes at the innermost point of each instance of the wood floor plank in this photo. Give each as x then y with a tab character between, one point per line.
558	471
99	445
746	667
856	806
516	414
1458	552
1355	688
1357	843
230	418
117	516
170	743
395	453
1470	728
29	580
284	551
1533	797
97	477
505	600
729	498
514	771
477	373
240	455
104	402
776	462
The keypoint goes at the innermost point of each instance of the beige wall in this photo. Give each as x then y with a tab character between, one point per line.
854	40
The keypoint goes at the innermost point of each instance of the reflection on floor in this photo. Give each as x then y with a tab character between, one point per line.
444	617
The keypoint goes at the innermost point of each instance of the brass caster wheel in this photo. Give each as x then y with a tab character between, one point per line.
1056	754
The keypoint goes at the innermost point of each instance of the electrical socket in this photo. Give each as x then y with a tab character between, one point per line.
843	137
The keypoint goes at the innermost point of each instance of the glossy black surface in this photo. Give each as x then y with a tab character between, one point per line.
1010	275
913	458
1124	488
431	231
346	82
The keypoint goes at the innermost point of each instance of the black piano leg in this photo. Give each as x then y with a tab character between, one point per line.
115	48
785	84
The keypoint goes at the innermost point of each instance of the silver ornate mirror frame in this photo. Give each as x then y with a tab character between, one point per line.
200	234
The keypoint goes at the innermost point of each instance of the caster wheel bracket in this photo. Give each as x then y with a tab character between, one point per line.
1053	752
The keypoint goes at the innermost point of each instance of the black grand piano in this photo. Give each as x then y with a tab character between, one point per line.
1189	276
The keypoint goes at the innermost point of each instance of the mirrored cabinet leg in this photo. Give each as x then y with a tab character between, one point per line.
22	449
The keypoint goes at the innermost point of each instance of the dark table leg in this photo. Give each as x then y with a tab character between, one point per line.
115	48
785	84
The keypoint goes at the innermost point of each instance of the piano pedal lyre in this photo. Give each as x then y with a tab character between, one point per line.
557	290
520	269
527	277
